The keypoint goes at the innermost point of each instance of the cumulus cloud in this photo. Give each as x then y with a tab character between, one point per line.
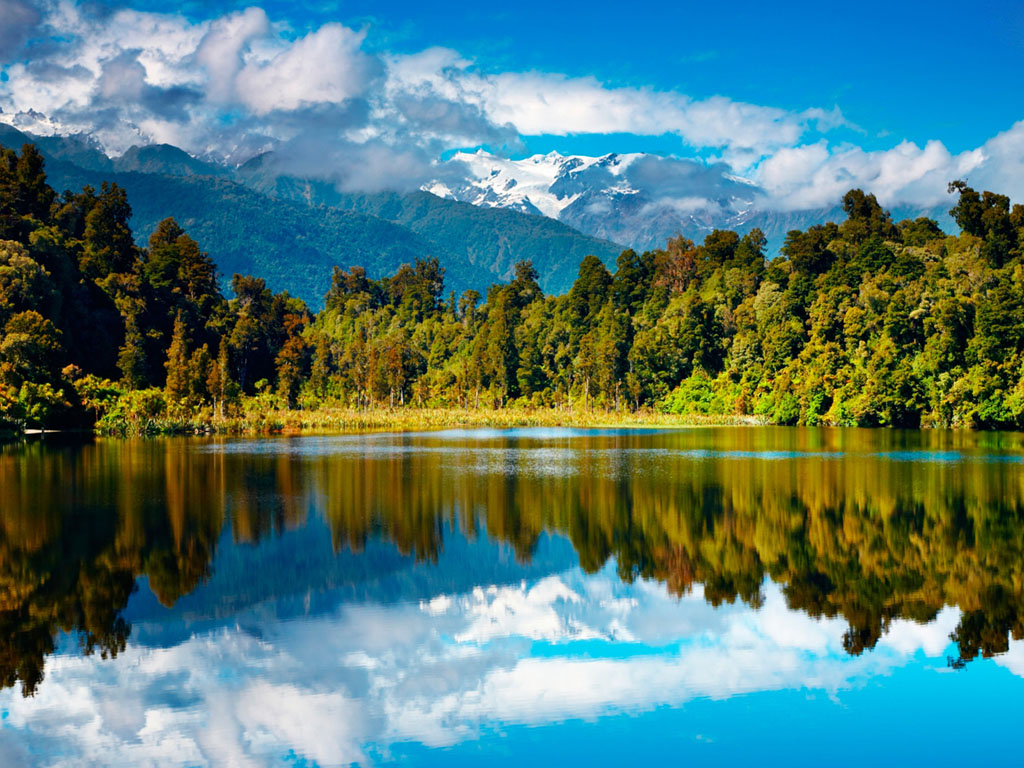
324	67
815	175
687	186
221	49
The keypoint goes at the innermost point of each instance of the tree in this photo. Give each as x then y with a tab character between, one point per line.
677	266
107	241
219	384
749	255
865	218
808	251
30	350
200	369
35	198
24	283
586	365
323	365
524	288
131	358
97	394
588	294
31	389
177	365
467	306
610	353
632	281
720	248
175	264
292	361
25	198
501	358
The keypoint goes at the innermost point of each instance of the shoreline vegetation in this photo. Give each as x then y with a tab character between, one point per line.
340	420
867	322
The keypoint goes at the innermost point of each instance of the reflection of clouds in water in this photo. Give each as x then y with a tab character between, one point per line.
1013	659
331	687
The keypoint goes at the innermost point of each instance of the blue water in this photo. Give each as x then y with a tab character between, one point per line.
297	648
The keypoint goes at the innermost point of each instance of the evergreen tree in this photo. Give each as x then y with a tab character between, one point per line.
221	388
178	375
200	369
107	241
131	358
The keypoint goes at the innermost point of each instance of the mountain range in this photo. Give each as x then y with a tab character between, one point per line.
486	214
640	200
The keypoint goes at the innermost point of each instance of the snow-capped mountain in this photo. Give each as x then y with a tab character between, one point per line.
636	199
542	184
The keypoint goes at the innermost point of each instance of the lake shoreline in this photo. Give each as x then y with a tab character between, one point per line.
350	420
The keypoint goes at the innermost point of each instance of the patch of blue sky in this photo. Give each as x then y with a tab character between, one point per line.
896	70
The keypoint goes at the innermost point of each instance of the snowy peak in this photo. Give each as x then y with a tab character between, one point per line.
635	199
540	184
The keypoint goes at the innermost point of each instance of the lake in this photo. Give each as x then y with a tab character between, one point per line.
779	595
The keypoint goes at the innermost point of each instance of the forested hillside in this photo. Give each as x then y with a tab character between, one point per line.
290	245
491	240
867	322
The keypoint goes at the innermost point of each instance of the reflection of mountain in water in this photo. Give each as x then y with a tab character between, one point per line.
869	526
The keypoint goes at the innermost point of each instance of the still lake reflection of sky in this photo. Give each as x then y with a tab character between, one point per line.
298	650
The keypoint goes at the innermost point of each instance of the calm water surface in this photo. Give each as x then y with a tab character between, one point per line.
779	596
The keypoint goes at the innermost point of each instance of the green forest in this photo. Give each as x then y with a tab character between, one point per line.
867	322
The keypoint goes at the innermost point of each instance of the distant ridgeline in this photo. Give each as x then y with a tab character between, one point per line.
842	539
867	322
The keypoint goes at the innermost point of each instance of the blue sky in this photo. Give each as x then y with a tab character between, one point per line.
941	70
804	99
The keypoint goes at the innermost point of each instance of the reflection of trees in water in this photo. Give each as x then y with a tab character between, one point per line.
77	526
866	539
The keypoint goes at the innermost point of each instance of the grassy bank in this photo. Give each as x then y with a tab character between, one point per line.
326	420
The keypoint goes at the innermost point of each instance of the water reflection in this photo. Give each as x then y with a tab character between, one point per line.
436	594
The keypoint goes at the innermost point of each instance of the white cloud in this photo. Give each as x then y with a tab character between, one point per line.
815	175
907	637
221	51
324	67
326	727
1013	659
545	103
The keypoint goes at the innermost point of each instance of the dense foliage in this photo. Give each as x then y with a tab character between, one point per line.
867	322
